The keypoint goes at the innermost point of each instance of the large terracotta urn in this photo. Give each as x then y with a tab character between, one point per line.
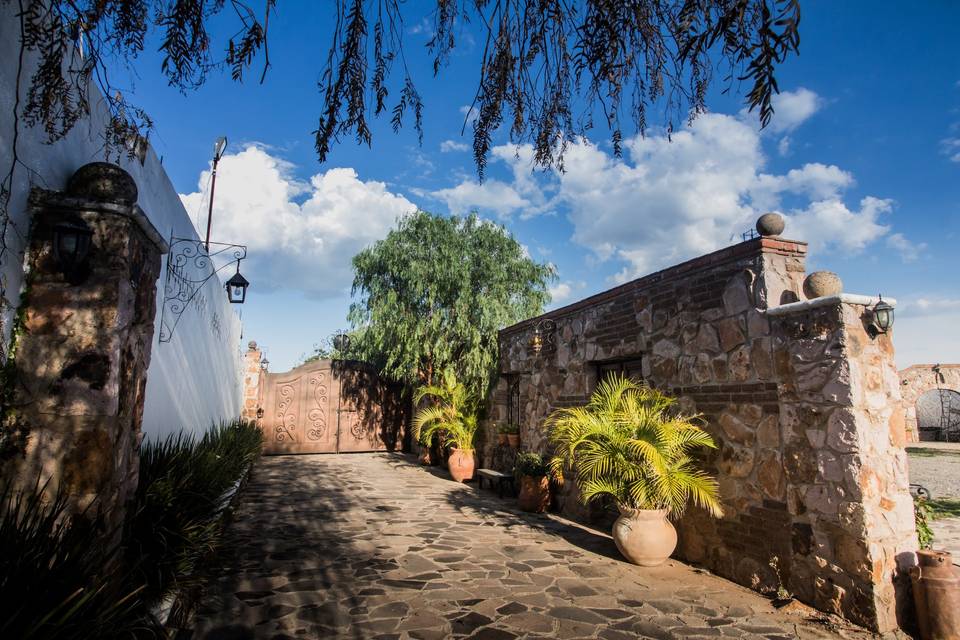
461	464
644	536
534	494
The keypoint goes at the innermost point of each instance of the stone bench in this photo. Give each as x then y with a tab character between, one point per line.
491	476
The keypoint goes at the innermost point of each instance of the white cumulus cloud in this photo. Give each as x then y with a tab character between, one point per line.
668	200
300	235
452	145
793	108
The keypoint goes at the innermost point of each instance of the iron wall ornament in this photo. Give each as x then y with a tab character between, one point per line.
189	267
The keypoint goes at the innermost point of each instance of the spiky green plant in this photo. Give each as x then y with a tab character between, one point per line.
57	577
174	522
452	414
629	442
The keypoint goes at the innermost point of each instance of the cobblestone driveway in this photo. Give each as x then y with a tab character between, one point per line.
373	546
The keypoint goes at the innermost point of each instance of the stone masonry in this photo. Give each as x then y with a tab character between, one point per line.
252	373
919	379
803	404
81	359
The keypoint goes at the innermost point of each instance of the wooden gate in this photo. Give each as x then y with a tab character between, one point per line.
330	407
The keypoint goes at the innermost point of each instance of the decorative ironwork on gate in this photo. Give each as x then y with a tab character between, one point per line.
331	407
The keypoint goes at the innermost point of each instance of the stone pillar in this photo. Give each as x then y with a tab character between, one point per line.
81	356
252	375
847	488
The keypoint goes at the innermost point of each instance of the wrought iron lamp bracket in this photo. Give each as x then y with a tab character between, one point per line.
189	266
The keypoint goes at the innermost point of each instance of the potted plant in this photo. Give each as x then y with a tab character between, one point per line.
512	432
533	472
629	442
452	416
502	434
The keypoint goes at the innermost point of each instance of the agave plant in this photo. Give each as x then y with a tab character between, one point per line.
630	443
452	414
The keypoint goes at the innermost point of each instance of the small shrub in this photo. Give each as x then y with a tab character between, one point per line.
57	579
531	464
923	513
175	524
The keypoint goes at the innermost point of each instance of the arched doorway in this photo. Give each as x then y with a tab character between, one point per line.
938	415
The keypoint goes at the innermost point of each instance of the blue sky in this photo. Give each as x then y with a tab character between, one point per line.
863	157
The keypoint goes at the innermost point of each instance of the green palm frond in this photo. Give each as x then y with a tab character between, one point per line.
629	442
453	413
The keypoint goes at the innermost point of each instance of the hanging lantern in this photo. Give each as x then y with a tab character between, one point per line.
536	341
237	287
341	342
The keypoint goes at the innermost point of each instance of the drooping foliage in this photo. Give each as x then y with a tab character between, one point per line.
629	443
548	68
433	294
451	413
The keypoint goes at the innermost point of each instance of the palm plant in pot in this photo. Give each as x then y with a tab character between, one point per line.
452	415
533	472
630	443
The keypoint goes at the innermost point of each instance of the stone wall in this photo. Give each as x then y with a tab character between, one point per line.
917	380
801	406
253	371
78	378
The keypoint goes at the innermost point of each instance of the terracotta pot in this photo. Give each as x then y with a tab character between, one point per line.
501	439
534	494
461	464
513	439
644	536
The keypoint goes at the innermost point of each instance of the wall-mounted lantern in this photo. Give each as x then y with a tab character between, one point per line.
543	337
341	342
264	364
71	246
190	264
881	320
259	413
237	287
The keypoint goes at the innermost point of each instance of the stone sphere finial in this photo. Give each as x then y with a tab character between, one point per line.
252	345
103	181
820	284
770	224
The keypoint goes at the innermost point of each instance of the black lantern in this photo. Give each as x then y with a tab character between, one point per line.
882	316
259	413
71	246
264	364
237	287
341	342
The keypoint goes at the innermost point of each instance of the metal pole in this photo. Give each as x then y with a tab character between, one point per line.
213	187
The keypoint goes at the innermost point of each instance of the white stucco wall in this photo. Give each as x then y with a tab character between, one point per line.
194	380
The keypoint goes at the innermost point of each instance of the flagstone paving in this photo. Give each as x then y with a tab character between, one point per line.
374	546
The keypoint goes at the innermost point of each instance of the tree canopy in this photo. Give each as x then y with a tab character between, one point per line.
433	294
548	68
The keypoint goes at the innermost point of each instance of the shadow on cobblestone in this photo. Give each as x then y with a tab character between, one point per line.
375	546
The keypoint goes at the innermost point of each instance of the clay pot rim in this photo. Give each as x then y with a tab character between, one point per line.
642	514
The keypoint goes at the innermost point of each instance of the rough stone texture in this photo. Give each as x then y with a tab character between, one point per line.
82	358
252	375
376	546
919	379
802	408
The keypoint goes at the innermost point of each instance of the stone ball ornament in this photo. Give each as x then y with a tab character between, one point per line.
770	224
820	284
103	181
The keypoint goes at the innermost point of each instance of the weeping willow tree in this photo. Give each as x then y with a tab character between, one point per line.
432	295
